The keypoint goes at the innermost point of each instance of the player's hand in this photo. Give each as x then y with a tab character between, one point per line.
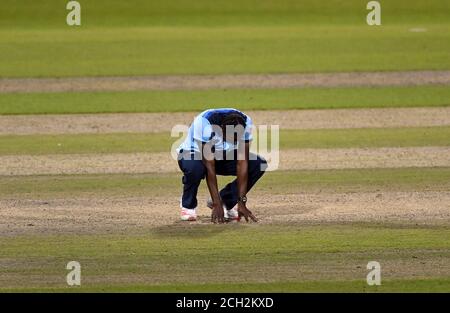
246	213
217	214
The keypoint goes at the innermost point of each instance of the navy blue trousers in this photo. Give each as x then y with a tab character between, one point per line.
194	171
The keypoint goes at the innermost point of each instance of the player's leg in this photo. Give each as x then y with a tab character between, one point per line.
193	173
256	168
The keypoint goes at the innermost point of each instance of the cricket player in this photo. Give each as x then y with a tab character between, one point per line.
218	143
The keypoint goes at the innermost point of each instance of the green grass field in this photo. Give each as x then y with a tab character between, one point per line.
178	257
292	257
237	37
214	51
161	142
49	220
280	182
404	285
182	13
250	99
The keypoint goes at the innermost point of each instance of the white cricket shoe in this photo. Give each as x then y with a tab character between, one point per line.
229	215
188	214
232	214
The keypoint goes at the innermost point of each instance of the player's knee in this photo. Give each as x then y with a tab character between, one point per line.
262	165
258	165
194	173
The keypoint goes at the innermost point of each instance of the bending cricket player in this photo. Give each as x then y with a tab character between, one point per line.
218	143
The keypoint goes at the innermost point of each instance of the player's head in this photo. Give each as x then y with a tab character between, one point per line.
234	120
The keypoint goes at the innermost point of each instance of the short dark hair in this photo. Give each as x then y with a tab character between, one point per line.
233	119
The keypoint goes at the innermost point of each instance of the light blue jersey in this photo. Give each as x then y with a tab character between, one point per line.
202	130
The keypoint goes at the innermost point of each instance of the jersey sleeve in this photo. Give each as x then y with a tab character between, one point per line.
202	129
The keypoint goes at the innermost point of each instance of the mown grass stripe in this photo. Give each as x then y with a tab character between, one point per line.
276	253
246	99
161	142
235	48
280	182
389	285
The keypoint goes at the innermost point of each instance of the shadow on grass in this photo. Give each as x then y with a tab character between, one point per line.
202	228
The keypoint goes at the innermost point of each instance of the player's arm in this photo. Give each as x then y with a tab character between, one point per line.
242	169
242	181
211	180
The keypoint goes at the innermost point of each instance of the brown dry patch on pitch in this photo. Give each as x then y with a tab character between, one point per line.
311	159
134	214
422	207
199	82
292	159
163	122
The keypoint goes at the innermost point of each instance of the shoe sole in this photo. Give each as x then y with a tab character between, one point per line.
189	219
